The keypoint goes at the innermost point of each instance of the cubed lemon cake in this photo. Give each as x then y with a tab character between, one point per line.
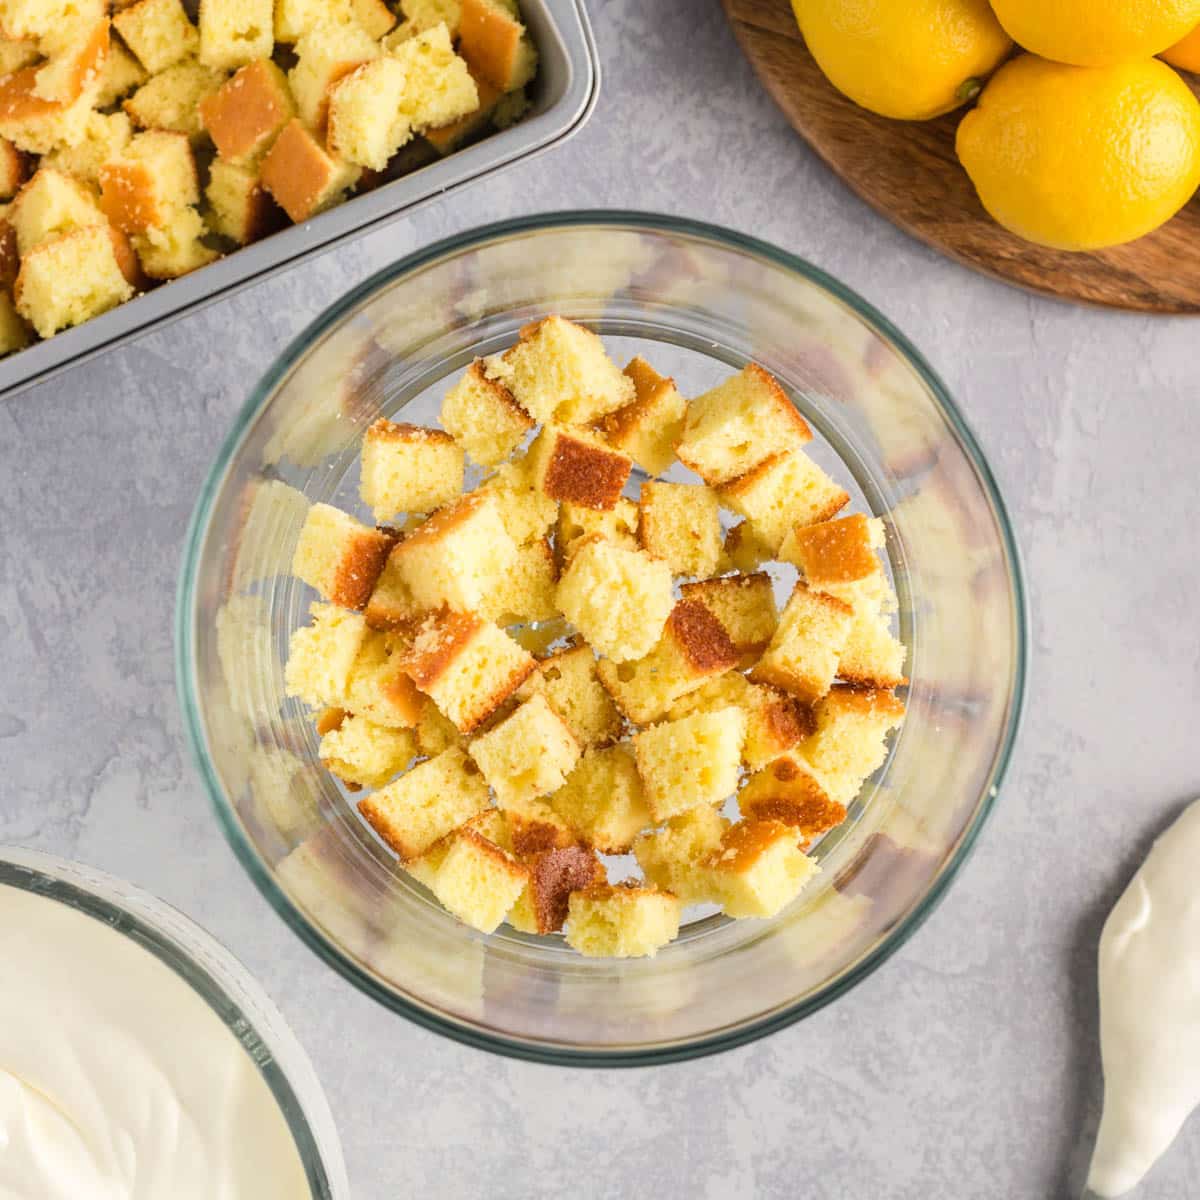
392	605
240	208
321	656
575	466
554	874
745	606
426	803
478	881
105	136
171	100
122	73
467	666
758	869
788	791
483	417
681	524
439	87
247	112
176	249
569	681
743	550
495	43
560	371
409	468
366	125
693	648
603	799
803	655
378	686
526	591
365	755
235	32
617	524
618	599
525	512
527	755
436	732
153	178
158	32
622	921
731	428
673	857
50	205
340	558
693	760
302	175
649	427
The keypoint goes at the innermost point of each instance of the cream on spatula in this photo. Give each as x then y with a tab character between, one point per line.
1150	1010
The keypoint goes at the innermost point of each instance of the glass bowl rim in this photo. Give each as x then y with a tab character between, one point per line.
215	974
464	1033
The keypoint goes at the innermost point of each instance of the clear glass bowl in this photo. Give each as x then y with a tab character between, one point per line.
218	979
698	302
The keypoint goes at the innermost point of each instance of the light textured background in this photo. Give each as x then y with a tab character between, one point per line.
966	1066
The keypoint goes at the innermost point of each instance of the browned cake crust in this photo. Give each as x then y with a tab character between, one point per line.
531	836
701	638
440	640
246	111
779	397
580	472
384	430
800	801
837	551
444	519
745	843
649	386
703	588
359	568
553	876
787	719
869	701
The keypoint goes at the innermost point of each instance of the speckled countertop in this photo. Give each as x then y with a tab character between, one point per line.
965	1067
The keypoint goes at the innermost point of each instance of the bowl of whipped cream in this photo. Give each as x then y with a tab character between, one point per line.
138	1057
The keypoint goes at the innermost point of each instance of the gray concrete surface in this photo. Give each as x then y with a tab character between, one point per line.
967	1066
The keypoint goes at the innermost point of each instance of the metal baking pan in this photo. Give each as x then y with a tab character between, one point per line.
564	94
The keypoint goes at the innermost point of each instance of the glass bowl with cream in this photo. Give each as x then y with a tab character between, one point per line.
139	1059
697	303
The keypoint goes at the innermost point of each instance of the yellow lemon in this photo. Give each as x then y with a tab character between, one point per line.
910	59
1097	33
1185	54
1082	157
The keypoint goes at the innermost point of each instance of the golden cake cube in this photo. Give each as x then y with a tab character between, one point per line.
426	803
526	590
235	32
681	524
172	99
560	371
438	87
574	466
527	755
48	206
456	557
302	175
617	524
622	921
569	681
788	791
392	606
693	648
493	40
603	799
872	656
122	73
105	137
340	558
803	656
758	869
409	468
322	654
176	249
744	551
445	139
693	760
325	55
731	428
150	182
158	32
483	418
479	882
524	511
745	606
649	427
366	125
672	857
247	112
618	599
240	207
378	686
436	732
467	666
553	875
365	755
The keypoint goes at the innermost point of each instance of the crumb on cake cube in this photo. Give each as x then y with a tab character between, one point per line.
603	800
427	802
14	333
246	113
105	137
478	882
365	123
49	205
672	857
618	599
235	32
483	418
553	875
784	490
439	87
240	208
524	511
693	760
409	469
802	658
339	557
650	425
693	648
731	428
171	100
560	371
575	466
526	590
436	732
302	175
158	32
365	755
745	606
122	73
322	654
70	279
681	524
153	178
569	681
758	869
788	791
324	55
493	40
455	558
527	755
467	666
617	524
621	921
849	743
743	551
176	249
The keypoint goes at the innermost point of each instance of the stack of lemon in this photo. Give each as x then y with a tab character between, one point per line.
1083	140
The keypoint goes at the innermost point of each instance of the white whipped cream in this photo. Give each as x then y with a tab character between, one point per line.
1150	1010
117	1081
